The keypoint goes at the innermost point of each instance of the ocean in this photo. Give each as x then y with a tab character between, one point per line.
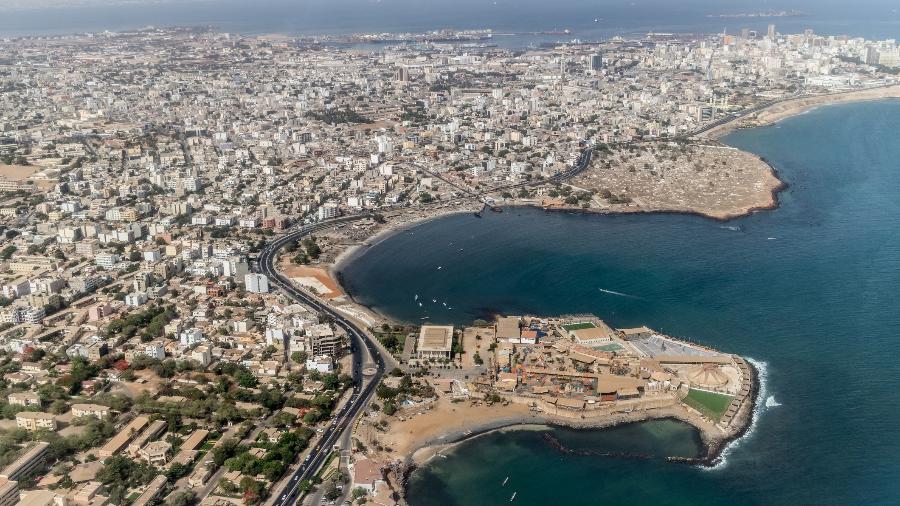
588	20
809	291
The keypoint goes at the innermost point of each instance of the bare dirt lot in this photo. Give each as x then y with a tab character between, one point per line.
709	179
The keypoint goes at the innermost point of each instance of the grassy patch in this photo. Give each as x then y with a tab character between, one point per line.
609	347
710	404
579	326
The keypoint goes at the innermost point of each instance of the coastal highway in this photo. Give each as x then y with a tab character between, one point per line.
362	389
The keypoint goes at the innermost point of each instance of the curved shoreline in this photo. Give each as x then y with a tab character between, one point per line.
781	111
715	447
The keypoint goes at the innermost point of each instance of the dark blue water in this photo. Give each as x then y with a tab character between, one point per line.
811	289
868	18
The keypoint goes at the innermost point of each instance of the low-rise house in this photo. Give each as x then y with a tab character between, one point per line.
24	399
35	420
96	410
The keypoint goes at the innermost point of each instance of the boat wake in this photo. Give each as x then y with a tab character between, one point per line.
619	294
762	371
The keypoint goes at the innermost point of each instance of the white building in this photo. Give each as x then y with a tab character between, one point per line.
256	283
135	299
321	363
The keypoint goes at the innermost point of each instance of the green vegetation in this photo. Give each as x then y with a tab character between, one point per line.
152	321
272	465
335	116
578	326
710	404
121	473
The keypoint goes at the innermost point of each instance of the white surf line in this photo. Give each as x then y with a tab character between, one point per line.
762	370
620	294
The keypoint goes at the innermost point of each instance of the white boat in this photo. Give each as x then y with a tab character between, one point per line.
513	498
504	481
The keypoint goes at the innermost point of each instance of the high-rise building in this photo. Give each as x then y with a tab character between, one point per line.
596	62
403	74
771	33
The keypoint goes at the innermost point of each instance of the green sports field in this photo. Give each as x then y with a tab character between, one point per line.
710	404
578	326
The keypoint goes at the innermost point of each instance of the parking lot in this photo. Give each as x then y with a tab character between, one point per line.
656	345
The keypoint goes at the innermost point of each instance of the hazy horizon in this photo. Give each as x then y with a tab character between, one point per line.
48	17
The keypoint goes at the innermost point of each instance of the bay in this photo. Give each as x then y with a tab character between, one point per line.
809	289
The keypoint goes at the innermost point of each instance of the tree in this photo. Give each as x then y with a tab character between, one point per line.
177	470
311	417
283	419
330	492
183	498
390	342
425	198
299	357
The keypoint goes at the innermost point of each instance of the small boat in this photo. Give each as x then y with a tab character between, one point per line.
416	297
440	267
434	301
513	498
444	303
420	304
504	481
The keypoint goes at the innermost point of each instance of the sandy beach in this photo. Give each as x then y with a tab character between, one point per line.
398	222
784	110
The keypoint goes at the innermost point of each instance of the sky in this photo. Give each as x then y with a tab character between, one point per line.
726	5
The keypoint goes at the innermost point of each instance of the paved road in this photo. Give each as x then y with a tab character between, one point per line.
363	389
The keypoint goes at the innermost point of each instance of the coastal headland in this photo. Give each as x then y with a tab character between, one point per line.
532	373
420	430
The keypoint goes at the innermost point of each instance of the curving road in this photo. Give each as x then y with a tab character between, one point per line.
362	389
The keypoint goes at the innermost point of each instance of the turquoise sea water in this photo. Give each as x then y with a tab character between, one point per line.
811	289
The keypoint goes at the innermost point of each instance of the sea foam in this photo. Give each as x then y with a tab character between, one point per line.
762	372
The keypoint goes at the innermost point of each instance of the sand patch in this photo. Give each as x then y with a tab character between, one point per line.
17	172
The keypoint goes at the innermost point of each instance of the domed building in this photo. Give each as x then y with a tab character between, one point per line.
708	376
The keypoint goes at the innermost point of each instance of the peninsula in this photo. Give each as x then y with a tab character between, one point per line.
573	371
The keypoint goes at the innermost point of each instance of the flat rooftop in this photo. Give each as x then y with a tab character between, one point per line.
435	338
